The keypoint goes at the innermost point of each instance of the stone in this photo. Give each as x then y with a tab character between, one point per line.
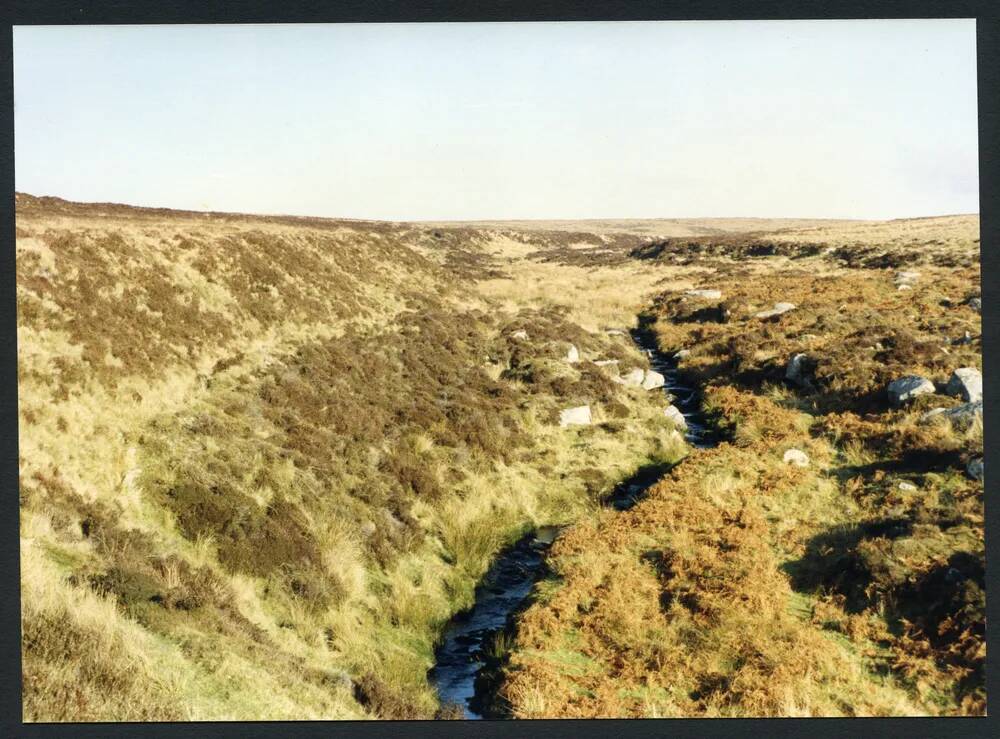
777	310
975	468
907	277
653	380
578	416
682	353
368	528
520	334
976	304
605	362
794	370
704	294
614	332
573	355
673	413
635	377
961	417
967	383
907	486
907	388
797	457
904	286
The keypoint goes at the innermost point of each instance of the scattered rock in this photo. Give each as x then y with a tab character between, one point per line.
777	310
907	486
797	457
906	278
976	304
635	377
975	468
673	413
961	417
907	388
520	334
966	382
966	339
605	362
795	370
573	355
682	353
653	380
578	416
704	294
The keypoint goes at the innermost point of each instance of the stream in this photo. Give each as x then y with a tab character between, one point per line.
463	653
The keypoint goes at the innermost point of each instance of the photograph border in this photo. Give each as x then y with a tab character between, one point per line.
43	12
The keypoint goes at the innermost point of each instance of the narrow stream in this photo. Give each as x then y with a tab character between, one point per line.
503	591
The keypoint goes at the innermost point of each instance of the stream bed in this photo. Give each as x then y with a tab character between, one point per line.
463	652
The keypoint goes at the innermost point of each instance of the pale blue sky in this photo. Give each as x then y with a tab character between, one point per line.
863	119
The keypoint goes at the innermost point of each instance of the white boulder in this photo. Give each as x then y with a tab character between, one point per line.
578	416
907	486
797	457
605	362
573	355
794	369
519	334
907	388
777	310
966	382
907	277
682	353
635	377
673	413
653	380
704	294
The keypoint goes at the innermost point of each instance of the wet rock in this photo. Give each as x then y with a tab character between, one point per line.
777	310
967	383
975	468
907	388
578	416
653	380
704	294
520	334
673	413
573	355
797	457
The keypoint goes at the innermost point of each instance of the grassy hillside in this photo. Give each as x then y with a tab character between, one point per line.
264	459
747	586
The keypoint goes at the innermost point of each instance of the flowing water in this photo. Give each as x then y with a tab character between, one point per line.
503	592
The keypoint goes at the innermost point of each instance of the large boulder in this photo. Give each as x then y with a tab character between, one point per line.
961	417
967	383
777	310
796	370
673	413
796	457
634	378
573	355
704	294
578	416
653	380
907	388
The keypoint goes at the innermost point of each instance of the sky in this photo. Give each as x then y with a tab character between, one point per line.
464	121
